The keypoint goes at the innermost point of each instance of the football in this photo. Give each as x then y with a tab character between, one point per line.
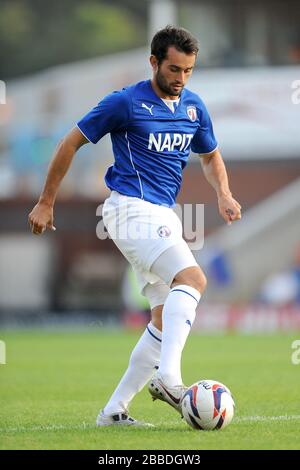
208	405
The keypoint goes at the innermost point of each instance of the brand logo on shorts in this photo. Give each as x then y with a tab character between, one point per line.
192	113
164	231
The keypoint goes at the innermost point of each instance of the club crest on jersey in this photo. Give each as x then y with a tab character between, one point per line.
164	231
192	113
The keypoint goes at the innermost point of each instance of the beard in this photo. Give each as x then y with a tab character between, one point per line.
166	87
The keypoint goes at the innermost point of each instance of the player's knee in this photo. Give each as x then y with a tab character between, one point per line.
193	276
198	280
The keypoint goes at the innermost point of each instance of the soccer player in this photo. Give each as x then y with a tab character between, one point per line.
153	125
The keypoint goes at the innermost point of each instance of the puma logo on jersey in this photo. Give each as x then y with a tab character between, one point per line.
170	142
147	107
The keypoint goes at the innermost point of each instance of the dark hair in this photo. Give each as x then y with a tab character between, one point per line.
179	38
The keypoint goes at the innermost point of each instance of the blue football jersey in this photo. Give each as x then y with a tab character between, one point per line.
151	144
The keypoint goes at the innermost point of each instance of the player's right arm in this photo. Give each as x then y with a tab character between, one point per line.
41	216
111	113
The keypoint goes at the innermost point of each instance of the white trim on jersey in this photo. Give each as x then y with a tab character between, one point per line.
207	153
131	159
172	104
84	134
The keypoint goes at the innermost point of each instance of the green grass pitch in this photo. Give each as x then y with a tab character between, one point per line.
55	382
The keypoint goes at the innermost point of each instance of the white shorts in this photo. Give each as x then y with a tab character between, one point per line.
143	232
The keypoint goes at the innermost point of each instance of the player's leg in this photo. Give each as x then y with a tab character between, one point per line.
143	254
178	316
156	314
143	361
179	311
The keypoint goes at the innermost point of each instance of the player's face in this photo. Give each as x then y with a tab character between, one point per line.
171	75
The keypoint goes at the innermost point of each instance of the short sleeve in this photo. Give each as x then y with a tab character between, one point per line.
111	114
204	140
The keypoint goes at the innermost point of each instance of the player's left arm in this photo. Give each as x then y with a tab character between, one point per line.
215	172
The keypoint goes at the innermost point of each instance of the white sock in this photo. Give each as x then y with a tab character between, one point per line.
144	358
177	318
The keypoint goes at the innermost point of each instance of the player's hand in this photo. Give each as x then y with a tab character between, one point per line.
229	208
41	218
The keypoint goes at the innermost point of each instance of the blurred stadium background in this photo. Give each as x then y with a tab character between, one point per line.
58	59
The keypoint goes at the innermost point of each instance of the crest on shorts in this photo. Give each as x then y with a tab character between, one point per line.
192	113
164	231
